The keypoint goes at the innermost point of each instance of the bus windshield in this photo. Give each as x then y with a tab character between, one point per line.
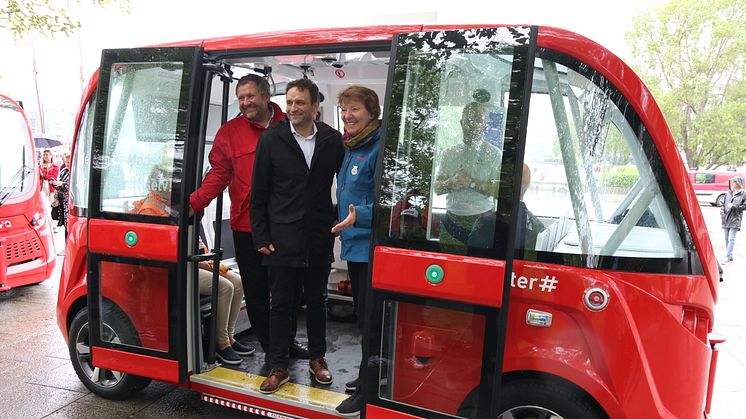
16	160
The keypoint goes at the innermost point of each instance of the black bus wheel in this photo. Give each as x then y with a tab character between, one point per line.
105	383
538	399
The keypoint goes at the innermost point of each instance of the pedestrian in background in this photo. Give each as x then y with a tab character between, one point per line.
48	173
62	192
730	215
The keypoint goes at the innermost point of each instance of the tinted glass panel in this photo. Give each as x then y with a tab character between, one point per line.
16	160
420	339
133	304
447	129
704	178
143	133
81	162
591	185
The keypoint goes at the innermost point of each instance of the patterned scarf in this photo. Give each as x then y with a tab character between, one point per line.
351	141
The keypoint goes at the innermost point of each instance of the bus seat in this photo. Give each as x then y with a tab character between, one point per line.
548	239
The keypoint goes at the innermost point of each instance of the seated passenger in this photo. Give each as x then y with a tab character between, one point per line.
230	290
529	226
230	294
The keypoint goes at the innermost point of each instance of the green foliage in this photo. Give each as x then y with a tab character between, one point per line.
693	53
620	176
44	16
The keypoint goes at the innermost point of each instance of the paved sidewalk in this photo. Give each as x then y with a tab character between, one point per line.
730	381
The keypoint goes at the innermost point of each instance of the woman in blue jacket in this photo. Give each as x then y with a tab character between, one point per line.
355	188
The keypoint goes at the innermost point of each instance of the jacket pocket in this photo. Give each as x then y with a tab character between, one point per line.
243	167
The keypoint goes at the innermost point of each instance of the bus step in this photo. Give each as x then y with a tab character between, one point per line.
245	407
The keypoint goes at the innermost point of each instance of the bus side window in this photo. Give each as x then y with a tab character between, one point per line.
81	161
595	186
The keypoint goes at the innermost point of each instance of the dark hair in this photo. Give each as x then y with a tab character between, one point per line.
305	85
261	83
362	94
481	95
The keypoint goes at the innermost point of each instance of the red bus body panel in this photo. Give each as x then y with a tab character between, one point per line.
154	241
156	368
618	355
466	279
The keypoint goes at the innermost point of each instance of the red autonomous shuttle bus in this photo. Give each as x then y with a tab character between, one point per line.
27	253
590	295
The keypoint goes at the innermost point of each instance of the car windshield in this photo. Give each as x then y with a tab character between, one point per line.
16	160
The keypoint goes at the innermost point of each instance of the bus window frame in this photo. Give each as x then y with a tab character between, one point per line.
175	361
690	263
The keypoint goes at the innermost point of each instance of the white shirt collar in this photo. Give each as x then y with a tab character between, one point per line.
297	135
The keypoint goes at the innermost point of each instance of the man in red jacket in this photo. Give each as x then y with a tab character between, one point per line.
232	163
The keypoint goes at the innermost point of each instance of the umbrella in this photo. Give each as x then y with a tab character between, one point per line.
43	142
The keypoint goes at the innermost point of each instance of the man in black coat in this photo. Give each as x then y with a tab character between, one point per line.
291	217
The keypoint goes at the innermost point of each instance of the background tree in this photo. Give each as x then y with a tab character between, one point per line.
44	16
692	54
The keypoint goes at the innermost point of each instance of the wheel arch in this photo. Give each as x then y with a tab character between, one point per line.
596	394
79	304
556	380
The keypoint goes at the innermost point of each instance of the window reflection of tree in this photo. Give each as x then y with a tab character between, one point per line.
417	91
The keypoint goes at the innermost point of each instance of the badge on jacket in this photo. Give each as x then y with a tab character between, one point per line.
354	171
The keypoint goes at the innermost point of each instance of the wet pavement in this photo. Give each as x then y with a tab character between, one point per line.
38	381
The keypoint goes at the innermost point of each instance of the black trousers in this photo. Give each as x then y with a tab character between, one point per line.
358	273
285	286
255	281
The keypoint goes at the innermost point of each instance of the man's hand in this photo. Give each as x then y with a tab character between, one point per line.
460	179
348	221
267	250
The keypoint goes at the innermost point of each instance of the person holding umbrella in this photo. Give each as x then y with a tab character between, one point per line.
48	173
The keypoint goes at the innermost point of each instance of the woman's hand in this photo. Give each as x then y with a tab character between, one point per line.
348	221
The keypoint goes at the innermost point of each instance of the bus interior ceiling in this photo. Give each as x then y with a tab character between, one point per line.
332	72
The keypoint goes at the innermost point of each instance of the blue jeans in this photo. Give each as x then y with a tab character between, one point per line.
730	240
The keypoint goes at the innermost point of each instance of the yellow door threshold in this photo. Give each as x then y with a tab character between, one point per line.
294	394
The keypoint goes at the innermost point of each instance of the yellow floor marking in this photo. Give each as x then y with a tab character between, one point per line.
248	383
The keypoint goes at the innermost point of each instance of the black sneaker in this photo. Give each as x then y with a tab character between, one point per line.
243	350
299	350
352	385
228	356
351	406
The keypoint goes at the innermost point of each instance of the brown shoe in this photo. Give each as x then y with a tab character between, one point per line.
276	378
320	371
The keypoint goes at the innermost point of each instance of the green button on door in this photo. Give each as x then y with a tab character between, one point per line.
130	238
434	274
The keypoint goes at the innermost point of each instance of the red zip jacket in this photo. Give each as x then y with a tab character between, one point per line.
49	173
232	162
